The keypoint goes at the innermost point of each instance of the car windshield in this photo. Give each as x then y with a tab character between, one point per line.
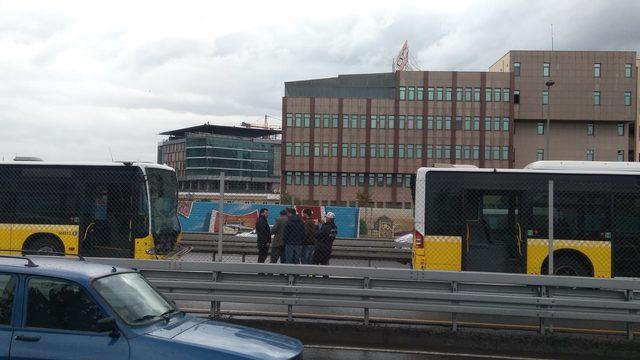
133	298
164	200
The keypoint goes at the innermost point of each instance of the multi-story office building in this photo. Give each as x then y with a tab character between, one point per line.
249	158
368	133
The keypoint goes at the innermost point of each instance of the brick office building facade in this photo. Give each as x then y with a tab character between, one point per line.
370	132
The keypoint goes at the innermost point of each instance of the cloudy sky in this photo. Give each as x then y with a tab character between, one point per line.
79	80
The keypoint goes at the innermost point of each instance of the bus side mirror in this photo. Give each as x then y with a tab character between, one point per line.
140	226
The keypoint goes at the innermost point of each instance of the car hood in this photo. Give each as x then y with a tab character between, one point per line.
232	338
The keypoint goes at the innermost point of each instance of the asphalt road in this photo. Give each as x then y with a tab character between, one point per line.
326	352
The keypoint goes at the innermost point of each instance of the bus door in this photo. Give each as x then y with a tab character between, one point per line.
492	239
106	221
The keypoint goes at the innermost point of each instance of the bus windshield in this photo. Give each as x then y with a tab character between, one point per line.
163	192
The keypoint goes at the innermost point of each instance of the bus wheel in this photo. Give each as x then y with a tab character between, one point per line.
43	245
568	266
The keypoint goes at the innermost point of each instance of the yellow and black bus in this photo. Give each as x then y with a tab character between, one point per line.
101	209
497	219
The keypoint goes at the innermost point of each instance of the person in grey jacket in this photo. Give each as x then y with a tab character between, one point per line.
277	245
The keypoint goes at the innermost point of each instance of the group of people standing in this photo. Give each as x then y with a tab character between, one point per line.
296	239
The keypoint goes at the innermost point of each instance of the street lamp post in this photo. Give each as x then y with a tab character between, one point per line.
549	84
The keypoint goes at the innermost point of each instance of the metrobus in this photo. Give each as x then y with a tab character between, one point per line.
472	219
103	209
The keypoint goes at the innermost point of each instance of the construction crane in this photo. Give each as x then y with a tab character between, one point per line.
265	124
404	61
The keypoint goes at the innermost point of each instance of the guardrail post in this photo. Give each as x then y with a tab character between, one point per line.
542	292
292	279
367	285
629	324
454	316
215	310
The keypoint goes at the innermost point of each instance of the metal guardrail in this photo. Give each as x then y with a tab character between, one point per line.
343	248
512	295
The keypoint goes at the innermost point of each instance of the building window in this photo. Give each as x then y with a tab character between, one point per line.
496	124
505	124
458	151
392	119
418	151
516	69
459	94
596	98
360	179
545	97
288	178
467	152
289	120
487	124
363	121
325	149
343	180
596	70
447	122
620	155
334	150
620	129
389	180
516	96
354	121
430	122
288	149
546	69
334	120
409	151
590	130
345	150
401	151
467	123
476	123
590	155
390	152
627	98
505	153
430	92
374	121
305	178
476	94
403	92
448	94
496	94
354	150
298	120
458	123
447	151
316	178
627	70
345	121
505	95
325	120
352	179
363	150
496	153
540	128
419	122
487	94
382	121
412	93
539	154
439	94
429	151
476	152
305	149
298	178
400	121
487	152
316	150
467	94
372	150
381	148
307	120
438	151
438	122
420	93
316	120
410	122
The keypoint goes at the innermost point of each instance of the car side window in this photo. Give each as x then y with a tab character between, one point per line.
58	304
7	291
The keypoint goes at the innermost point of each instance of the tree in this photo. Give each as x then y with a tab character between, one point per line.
286	198
363	198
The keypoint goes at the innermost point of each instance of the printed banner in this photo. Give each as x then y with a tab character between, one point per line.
233	223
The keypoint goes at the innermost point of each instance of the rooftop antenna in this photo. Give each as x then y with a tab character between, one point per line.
110	153
551	37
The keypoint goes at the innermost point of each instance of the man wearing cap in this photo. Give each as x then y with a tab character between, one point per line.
324	240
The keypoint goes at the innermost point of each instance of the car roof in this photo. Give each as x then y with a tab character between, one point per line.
61	267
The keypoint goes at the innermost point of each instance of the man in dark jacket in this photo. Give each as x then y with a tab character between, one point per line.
310	229
324	240
293	237
264	235
277	246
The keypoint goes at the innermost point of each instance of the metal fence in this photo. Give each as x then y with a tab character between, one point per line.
518	301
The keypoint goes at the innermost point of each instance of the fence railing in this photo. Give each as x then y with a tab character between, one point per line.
372	249
544	298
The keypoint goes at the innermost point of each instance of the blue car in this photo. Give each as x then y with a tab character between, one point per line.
61	308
